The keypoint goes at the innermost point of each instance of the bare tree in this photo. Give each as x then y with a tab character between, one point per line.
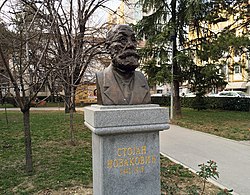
77	38
77	42
23	63
51	37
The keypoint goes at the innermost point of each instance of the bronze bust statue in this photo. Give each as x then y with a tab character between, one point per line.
119	83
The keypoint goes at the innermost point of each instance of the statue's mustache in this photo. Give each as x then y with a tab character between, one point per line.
128	53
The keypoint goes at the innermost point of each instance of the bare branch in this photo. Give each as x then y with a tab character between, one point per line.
1	6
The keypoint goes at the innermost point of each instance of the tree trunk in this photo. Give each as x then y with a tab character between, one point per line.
176	73
27	138
67	99
72	136
52	92
52	97
73	98
6	115
176	69
177	103
1	97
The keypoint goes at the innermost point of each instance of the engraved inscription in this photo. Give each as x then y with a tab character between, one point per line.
131	160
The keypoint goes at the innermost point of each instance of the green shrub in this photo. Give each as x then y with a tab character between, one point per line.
229	103
163	101
222	103
199	103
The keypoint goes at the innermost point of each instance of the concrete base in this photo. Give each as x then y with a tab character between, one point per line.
125	144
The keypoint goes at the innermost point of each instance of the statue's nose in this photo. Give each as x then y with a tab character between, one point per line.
131	44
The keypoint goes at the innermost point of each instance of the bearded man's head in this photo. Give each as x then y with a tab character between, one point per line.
122	44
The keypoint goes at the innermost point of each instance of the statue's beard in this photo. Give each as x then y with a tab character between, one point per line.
126	61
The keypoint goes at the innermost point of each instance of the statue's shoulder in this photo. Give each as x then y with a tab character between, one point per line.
103	72
99	74
141	79
140	75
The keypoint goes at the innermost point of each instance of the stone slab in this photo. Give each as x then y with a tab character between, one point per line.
99	116
125	148
127	129
126	164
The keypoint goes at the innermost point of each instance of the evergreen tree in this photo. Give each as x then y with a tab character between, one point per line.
167	29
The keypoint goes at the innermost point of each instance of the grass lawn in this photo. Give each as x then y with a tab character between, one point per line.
229	124
59	167
56	162
6	106
48	104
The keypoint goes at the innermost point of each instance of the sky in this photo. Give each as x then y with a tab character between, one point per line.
101	15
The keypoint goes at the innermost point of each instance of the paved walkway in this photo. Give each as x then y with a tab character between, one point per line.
191	148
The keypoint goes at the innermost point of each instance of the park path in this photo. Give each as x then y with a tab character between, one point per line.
190	148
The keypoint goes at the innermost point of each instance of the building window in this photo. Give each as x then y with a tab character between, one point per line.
224	69
237	69
159	91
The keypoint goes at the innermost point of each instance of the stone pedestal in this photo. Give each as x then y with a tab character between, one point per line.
125	148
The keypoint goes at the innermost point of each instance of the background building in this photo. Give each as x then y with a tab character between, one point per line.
127	13
236	66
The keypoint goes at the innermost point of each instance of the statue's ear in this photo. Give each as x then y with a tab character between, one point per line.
106	45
